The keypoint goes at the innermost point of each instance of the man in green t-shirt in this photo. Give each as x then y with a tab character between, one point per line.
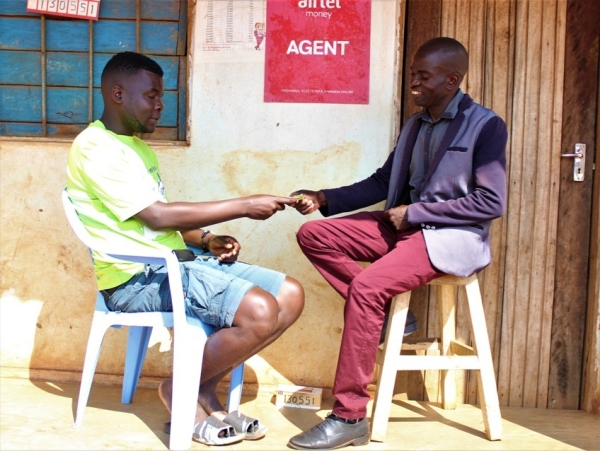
115	185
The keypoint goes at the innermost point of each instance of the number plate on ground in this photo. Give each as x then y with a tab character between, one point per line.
299	397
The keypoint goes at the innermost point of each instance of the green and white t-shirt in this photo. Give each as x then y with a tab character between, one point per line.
111	178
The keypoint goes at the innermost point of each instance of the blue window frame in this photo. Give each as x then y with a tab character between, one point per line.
50	66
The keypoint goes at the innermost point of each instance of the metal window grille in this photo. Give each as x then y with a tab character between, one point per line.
50	66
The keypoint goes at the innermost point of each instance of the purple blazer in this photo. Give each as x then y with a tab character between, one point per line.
464	189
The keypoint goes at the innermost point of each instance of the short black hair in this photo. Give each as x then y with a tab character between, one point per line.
127	64
452	49
444	44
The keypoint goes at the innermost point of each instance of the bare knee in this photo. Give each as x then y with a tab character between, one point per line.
258	313
291	301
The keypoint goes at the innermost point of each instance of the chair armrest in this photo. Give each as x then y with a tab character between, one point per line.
168	259
152	258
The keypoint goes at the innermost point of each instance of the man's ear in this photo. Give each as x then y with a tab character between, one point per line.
117	94
454	80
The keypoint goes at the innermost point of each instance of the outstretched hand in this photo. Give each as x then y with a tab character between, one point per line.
308	201
263	206
225	247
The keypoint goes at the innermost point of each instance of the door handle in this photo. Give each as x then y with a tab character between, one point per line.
578	161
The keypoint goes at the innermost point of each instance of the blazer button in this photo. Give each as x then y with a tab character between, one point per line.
422	224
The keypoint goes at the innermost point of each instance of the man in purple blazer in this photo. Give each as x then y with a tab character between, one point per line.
443	184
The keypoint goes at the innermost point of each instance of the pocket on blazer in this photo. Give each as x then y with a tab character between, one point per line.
457	149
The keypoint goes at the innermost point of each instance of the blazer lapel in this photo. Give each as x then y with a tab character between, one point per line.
411	139
401	165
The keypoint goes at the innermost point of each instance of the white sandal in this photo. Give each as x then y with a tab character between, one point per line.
212	431
250	428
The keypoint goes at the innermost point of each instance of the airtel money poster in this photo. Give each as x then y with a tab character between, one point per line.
317	51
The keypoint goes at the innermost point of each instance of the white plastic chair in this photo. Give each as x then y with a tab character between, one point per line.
190	335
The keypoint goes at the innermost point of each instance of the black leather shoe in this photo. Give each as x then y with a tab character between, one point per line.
332	433
410	327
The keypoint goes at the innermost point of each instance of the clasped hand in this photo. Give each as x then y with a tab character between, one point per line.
308	201
397	217
226	248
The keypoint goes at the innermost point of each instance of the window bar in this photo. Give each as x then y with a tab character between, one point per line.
90	71
138	18
43	62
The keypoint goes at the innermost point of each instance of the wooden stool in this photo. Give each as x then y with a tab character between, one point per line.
454	355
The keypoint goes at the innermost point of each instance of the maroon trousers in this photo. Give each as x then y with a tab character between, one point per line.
399	263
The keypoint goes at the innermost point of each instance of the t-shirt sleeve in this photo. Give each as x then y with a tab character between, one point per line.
120	179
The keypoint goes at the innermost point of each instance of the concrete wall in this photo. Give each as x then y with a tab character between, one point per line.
239	145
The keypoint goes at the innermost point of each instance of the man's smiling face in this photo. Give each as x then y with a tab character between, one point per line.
433	83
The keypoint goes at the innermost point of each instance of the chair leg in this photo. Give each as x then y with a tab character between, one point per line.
235	388
97	331
137	346
447	315
188	352
391	350
486	379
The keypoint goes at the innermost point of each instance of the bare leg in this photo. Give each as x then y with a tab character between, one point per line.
165	391
259	321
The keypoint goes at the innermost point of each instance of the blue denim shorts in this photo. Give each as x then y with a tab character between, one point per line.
212	290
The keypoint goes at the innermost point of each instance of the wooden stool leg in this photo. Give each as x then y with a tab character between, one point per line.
447	315
486	379
391	350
